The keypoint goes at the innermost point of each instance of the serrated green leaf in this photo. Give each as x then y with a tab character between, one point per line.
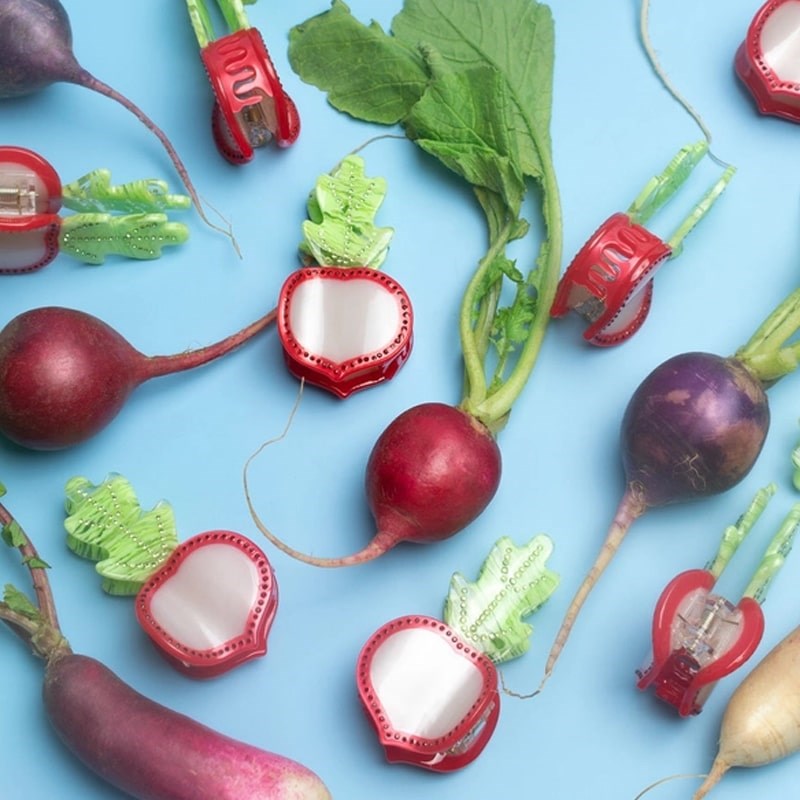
94	193
106	524
341	228
13	535
91	237
19	602
34	562
512	583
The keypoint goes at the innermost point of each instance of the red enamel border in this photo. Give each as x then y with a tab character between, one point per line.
41	167
433	754
344	378
251	643
772	95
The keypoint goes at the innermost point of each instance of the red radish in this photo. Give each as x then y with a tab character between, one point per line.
65	374
431	472
136	744
36	51
693	428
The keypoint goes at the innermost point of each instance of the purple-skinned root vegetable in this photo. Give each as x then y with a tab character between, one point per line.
692	429
65	374
431	472
135	744
36	51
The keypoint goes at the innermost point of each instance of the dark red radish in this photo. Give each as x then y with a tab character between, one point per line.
431	472
36	51
692	429
65	374
137	745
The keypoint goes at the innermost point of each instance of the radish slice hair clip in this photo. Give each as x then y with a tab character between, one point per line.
251	107
207	604
768	60
430	686
698	636
126	219
609	283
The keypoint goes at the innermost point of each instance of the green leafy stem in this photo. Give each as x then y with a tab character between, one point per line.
471	85
35	622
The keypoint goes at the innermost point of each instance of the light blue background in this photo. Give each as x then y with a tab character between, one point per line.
185	438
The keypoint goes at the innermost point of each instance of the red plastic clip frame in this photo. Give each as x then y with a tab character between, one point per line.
432	698
698	638
251	106
30	198
768	60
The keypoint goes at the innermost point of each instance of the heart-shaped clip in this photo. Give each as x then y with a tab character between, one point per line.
344	329
30	198
432	698
210	606
768	60
699	637
609	282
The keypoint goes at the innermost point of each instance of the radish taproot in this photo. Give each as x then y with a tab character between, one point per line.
132	742
436	467
761	723
36	51
65	374
692	429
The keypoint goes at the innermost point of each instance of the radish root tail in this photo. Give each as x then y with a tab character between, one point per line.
377	547
630	508
668	779
718	769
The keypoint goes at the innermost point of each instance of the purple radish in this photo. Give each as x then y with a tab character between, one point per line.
693	428
65	374
36	51
432	471
137	745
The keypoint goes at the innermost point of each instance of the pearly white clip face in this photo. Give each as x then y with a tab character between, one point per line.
780	41
340	321
426	688
209	598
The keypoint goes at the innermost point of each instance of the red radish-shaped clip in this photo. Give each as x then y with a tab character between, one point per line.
211	605
250	107
699	636
32	233
610	281
207	604
343	324
430	687
768	60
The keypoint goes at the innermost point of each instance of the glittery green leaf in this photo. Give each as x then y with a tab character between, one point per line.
94	192
92	237
106	524
512	583
341	230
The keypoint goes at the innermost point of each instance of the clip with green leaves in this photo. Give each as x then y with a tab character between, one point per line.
250	106
699	636
610	281
128	220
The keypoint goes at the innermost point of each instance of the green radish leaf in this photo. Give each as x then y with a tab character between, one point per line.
19	602
94	192
367	74
34	562
13	535
512	583
341	228
92	237
106	524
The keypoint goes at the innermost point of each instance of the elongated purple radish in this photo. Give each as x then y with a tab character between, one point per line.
430	473
693	428
137	745
36	51
65	374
